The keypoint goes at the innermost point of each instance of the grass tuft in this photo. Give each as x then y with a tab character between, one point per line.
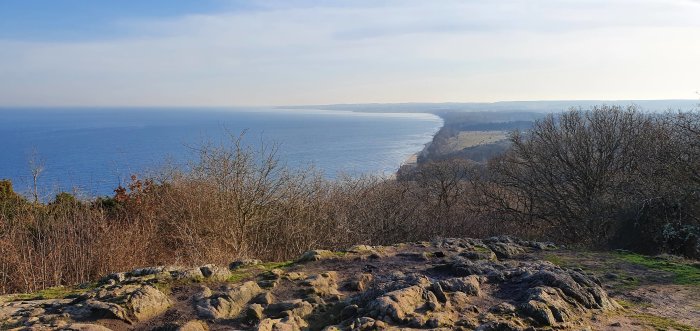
248	272
555	259
662	323
683	273
58	292
238	276
275	265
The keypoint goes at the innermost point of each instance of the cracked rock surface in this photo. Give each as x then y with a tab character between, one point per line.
447	284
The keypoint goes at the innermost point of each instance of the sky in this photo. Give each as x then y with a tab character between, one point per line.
296	52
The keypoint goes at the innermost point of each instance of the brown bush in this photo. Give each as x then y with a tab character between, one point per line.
608	176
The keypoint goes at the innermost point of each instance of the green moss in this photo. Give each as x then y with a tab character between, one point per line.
58	292
555	259
661	323
628	283
166	288
275	265
481	249
240	275
683	274
166	285
629	304
624	303
248	272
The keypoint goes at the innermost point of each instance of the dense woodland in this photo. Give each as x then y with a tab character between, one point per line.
601	178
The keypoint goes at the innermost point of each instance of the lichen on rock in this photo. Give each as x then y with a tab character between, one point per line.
447	284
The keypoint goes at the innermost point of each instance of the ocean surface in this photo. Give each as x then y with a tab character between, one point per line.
95	150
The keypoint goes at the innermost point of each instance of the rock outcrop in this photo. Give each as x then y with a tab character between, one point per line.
227	303
458	284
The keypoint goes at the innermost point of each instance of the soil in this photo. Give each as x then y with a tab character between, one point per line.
651	298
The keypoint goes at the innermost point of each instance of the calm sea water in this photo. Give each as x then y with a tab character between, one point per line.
94	150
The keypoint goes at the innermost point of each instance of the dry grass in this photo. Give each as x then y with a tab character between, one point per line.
466	139
233	203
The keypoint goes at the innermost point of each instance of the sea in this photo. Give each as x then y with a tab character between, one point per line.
90	151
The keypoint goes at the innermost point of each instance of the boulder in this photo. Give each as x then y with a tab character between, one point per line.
270	279
506	250
367	324
214	272
468	285
316	255
547	306
400	305
243	263
84	327
324	285
579	288
227	304
193	325
254	312
482	254
113	278
289	323
465	267
296	307
130	303
264	298
141	272
360	282
187	273
503	308
147	302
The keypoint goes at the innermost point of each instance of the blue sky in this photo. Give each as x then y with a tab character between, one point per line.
275	52
67	20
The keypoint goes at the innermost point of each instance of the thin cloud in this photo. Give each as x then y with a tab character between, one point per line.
370	51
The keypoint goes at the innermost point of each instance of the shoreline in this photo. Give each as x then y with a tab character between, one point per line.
411	161
471	135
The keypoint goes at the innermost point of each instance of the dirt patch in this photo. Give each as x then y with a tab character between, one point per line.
657	292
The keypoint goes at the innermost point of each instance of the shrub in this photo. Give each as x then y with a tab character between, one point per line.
607	176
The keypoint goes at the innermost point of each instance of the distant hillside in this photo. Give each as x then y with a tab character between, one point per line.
532	106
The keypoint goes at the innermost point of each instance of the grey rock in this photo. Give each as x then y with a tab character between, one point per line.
296	307
264	298
194	325
227	304
243	263
506	250
469	285
130	303
214	272
84	327
187	273
254	312
316	255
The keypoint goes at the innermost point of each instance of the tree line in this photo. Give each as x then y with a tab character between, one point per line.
606	177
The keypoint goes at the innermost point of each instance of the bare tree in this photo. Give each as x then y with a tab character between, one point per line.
36	166
572	170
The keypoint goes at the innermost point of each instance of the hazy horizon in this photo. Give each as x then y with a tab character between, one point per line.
506	105
224	53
